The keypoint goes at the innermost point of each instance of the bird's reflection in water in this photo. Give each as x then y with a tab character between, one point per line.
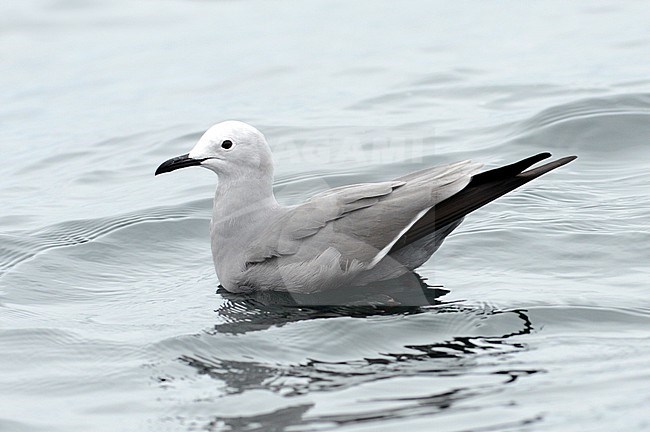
453	356
278	420
477	349
260	310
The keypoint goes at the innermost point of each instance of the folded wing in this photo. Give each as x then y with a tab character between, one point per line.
482	189
361	222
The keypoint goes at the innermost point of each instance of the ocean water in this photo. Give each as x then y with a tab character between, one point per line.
537	311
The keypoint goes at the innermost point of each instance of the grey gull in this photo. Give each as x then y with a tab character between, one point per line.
349	235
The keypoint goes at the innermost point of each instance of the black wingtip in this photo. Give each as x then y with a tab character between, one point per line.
538	171
508	171
482	189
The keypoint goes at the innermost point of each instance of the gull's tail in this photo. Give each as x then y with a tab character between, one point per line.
483	188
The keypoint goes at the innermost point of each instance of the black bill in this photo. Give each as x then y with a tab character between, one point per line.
181	161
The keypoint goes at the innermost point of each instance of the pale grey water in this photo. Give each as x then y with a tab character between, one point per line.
109	318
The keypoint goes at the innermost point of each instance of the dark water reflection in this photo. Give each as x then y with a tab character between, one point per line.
257	311
453	358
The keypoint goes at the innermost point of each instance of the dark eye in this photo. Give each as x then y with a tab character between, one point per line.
226	144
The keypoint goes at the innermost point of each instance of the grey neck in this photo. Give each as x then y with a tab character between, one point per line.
244	198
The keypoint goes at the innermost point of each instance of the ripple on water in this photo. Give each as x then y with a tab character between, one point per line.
24	245
613	127
448	359
436	358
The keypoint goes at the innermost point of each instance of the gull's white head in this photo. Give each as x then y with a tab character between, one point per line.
230	148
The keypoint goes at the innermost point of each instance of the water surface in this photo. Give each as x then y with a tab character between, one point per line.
110	317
